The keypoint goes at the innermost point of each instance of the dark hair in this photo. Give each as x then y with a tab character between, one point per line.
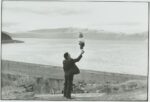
66	55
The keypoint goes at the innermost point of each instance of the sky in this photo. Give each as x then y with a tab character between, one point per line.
125	17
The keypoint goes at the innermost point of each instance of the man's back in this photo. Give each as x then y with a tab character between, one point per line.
69	64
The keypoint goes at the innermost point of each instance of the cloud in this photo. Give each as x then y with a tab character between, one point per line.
126	23
36	15
50	9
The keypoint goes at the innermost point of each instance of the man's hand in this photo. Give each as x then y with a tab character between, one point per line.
82	52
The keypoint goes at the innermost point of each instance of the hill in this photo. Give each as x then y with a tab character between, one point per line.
72	33
6	38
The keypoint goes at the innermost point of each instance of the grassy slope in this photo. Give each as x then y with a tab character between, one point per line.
136	85
57	72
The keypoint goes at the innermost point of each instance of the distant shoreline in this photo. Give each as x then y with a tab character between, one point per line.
11	41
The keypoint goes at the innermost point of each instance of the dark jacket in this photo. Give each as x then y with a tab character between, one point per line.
69	65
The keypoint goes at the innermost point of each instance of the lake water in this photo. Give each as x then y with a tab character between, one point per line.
111	56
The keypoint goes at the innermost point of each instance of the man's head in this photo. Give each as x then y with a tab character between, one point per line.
67	55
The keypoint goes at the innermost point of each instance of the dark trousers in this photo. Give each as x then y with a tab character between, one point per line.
68	85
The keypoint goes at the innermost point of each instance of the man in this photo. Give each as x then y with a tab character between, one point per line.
70	69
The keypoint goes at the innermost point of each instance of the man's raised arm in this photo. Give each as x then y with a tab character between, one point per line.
79	57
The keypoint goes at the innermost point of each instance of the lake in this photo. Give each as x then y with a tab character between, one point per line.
130	57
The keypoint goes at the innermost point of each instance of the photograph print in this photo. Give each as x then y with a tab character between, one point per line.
74	51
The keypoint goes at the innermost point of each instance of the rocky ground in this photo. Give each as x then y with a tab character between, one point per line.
25	84
126	96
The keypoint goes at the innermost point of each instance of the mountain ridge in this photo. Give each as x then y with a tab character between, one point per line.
71	33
